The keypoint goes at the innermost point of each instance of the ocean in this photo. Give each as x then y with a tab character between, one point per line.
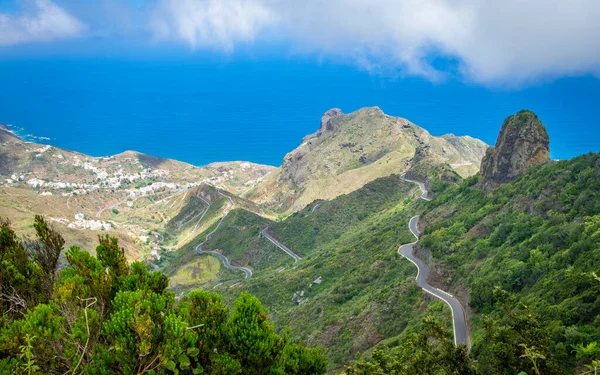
242	109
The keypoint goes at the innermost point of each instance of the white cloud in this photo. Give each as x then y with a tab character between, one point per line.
493	42
41	21
212	23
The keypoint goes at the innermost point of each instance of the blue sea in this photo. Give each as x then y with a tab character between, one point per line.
200	111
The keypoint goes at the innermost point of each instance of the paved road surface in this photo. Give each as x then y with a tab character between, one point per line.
421	186
459	321
458	313
267	233
224	260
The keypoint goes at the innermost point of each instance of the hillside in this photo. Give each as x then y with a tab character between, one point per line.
103	315
130	195
530	249
517	246
349	279
351	150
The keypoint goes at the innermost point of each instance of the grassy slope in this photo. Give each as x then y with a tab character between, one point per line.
537	238
238	240
305	230
367	296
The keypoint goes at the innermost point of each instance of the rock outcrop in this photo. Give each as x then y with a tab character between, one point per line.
523	142
327	125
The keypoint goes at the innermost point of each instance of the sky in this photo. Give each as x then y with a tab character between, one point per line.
544	53
507	43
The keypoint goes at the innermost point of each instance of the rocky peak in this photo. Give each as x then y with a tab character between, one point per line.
326	123
327	126
523	142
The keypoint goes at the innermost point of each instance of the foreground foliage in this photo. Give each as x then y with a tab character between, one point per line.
104	316
426	352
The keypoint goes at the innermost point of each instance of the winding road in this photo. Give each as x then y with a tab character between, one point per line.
459	321
421	186
223	258
267	234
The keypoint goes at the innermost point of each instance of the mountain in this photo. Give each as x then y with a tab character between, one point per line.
131	195
349	279
521	257
522	143
351	150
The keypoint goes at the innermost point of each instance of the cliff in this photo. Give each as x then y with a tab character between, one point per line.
522	143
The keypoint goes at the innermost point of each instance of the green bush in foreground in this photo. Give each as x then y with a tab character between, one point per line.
104	316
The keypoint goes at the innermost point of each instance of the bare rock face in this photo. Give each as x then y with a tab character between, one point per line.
523	142
327	126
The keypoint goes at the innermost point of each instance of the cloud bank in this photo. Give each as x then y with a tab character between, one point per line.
490	42
507	42
41	21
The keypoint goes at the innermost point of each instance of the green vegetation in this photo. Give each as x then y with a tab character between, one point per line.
438	177
238	239
188	216
526	257
173	262
305	231
427	351
104	316
351	291
528	254
199	271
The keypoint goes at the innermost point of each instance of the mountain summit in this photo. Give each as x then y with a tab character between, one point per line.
350	150
523	142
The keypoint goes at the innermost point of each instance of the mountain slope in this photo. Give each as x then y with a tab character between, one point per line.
528	251
351	150
129	195
350	278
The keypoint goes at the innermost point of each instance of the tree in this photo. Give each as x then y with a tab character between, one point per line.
426	352
589	352
252	339
46	251
27	268
106	316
